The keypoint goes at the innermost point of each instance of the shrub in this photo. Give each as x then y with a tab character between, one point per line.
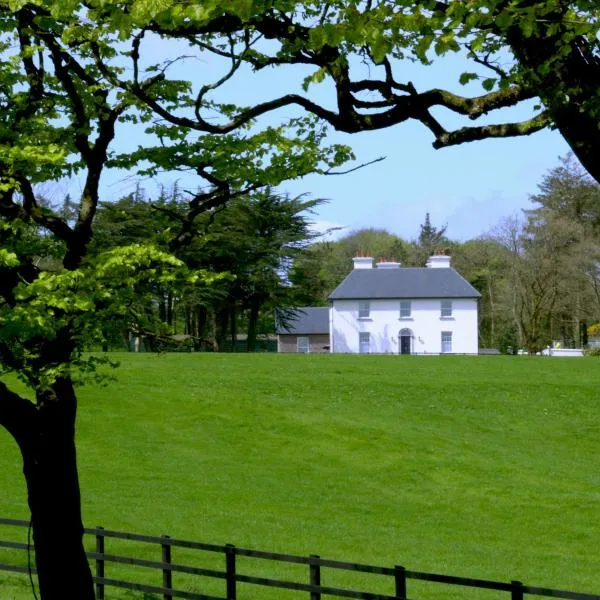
594	330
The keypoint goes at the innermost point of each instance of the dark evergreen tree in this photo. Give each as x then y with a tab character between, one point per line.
431	240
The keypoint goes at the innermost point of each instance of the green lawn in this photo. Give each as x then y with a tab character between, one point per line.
475	466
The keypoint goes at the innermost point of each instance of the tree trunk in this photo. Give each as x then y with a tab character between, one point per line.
201	323
46	437
583	335
188	327
567	82
492	313
252	322
213	330
222	322
233	327
162	307
169	308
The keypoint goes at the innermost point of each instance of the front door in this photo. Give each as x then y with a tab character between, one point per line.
405	344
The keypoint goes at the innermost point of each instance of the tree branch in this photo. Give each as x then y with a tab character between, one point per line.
35	75
399	101
469	134
46	220
236	62
64	68
17	414
361	166
485	62
479	105
95	162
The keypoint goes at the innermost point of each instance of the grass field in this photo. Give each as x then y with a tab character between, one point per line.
475	466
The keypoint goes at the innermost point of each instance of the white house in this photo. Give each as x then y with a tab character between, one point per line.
393	310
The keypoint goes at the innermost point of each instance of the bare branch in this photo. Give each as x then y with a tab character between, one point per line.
236	62
41	217
399	101
201	203
485	62
241	119
361	166
135	56
204	46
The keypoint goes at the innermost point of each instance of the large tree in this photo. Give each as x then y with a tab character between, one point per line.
548	270
60	111
484	263
253	243
569	200
567	191
260	236
319	270
431	239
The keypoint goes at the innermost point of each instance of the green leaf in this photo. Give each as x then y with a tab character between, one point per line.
527	25
8	259
488	84
505	18
317	77
467	77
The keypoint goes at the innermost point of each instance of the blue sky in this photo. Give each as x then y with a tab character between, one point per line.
470	187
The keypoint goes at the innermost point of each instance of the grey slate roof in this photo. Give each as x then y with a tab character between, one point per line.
404	283
306	321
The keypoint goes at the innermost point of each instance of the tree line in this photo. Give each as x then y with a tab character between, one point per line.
538	273
250	243
261	248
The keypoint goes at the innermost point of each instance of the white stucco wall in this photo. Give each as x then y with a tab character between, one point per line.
384	325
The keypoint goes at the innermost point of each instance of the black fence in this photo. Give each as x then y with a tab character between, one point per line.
231	576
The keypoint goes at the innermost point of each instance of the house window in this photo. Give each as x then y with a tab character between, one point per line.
446	309
446	342
405	309
364	343
364	310
303	344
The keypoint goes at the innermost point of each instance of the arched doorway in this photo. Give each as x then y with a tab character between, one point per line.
405	341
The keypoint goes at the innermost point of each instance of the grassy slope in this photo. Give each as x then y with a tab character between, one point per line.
482	467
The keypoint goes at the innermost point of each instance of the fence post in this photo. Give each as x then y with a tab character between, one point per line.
315	575
167	573
516	591
230	571
400	579
100	561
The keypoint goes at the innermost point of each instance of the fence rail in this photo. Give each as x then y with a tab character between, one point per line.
312	585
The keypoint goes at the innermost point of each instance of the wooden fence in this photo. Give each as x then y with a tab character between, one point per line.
231	576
